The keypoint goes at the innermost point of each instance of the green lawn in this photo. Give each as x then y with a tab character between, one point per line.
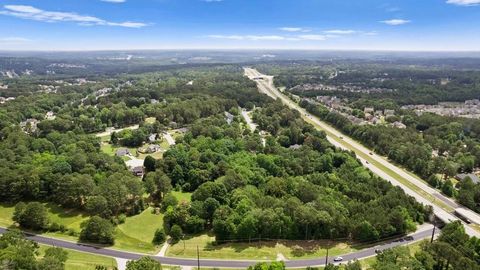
182	196
137	232
256	250
6	213
150	120
109	149
105	138
67	217
83	261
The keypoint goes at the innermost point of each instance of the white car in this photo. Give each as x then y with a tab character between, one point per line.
338	259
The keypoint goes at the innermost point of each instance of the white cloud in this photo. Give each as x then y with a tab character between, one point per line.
464	2
114	1
395	22
32	13
294	29
248	37
274	37
340	32
14	40
313	37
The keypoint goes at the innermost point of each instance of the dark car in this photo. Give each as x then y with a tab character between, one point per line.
378	251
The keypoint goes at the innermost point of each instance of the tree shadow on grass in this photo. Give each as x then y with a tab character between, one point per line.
65	212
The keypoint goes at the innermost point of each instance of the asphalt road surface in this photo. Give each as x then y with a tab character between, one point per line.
301	263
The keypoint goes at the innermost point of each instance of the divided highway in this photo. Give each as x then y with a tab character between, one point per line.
442	205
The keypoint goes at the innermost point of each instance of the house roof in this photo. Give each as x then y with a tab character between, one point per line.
122	152
295	146
137	169
475	178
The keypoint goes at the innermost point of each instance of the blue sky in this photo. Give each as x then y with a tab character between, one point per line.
435	25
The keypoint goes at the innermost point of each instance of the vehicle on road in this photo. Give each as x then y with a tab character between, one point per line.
378	251
338	259
370	153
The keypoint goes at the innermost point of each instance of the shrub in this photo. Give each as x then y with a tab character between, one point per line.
97	230
176	233
31	216
159	237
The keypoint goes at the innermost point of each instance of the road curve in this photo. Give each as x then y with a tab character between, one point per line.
301	263
366	156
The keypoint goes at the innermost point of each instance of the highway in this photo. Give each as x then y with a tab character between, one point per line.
412	185
425	232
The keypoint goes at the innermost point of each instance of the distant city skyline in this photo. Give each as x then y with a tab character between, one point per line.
396	25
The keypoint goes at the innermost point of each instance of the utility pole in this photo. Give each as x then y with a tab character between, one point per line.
183	239
326	257
198	259
433	232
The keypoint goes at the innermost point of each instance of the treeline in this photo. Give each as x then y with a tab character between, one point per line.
431	145
414	81
243	190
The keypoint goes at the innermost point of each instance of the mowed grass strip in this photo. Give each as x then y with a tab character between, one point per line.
264	250
83	261
137	232
182	196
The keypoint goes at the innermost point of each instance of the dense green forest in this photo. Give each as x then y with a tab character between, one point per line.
243	190
295	185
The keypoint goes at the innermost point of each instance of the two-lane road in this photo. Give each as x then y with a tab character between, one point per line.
425	232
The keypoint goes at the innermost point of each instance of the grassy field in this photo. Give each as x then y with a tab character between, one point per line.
137	232
67	217
105	138
182	196
83	261
256	250
109	149
150	120
6	213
